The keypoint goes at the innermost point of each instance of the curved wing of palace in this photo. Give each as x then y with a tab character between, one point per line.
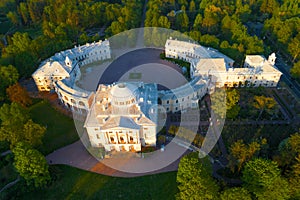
121	116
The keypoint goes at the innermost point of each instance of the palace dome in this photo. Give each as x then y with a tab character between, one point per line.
123	94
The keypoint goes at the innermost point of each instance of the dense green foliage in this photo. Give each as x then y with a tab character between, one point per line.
36	29
8	76
262	178
235	193
194	178
31	164
225	102
16	126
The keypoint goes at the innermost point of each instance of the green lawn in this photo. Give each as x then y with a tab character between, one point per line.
74	183
61	130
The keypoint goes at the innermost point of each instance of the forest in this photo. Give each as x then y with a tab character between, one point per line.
33	30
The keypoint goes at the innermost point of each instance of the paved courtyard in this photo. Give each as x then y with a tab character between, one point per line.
76	155
145	62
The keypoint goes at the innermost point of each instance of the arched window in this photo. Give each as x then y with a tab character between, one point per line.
81	103
66	98
73	101
112	140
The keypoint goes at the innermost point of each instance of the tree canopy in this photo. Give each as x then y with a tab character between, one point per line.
8	76
16	126
262	178
31	164
235	193
194	178
16	93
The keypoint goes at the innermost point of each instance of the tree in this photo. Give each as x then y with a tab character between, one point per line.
264	103
232	98
33	133
192	6
31	164
164	22
235	193
8	76
211	18
295	70
233	112
209	40
13	17
220	107
198	22
16	126
24	12
262	178
294	47
18	94
240	153
288	151
182	21
194	178
20	42
269	6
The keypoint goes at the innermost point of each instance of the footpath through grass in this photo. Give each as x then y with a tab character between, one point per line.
60	131
74	183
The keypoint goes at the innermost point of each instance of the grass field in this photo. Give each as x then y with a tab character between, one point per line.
74	183
60	131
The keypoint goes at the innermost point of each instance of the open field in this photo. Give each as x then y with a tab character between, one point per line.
72	183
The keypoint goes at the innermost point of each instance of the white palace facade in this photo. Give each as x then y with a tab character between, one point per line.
118	118
121	116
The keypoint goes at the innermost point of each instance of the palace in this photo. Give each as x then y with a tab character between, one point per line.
123	116
119	118
209	62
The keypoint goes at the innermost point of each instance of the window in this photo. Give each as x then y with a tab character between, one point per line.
97	136
112	140
176	108
131	139
81	103
168	102
145	128
182	99
176	101
96	129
